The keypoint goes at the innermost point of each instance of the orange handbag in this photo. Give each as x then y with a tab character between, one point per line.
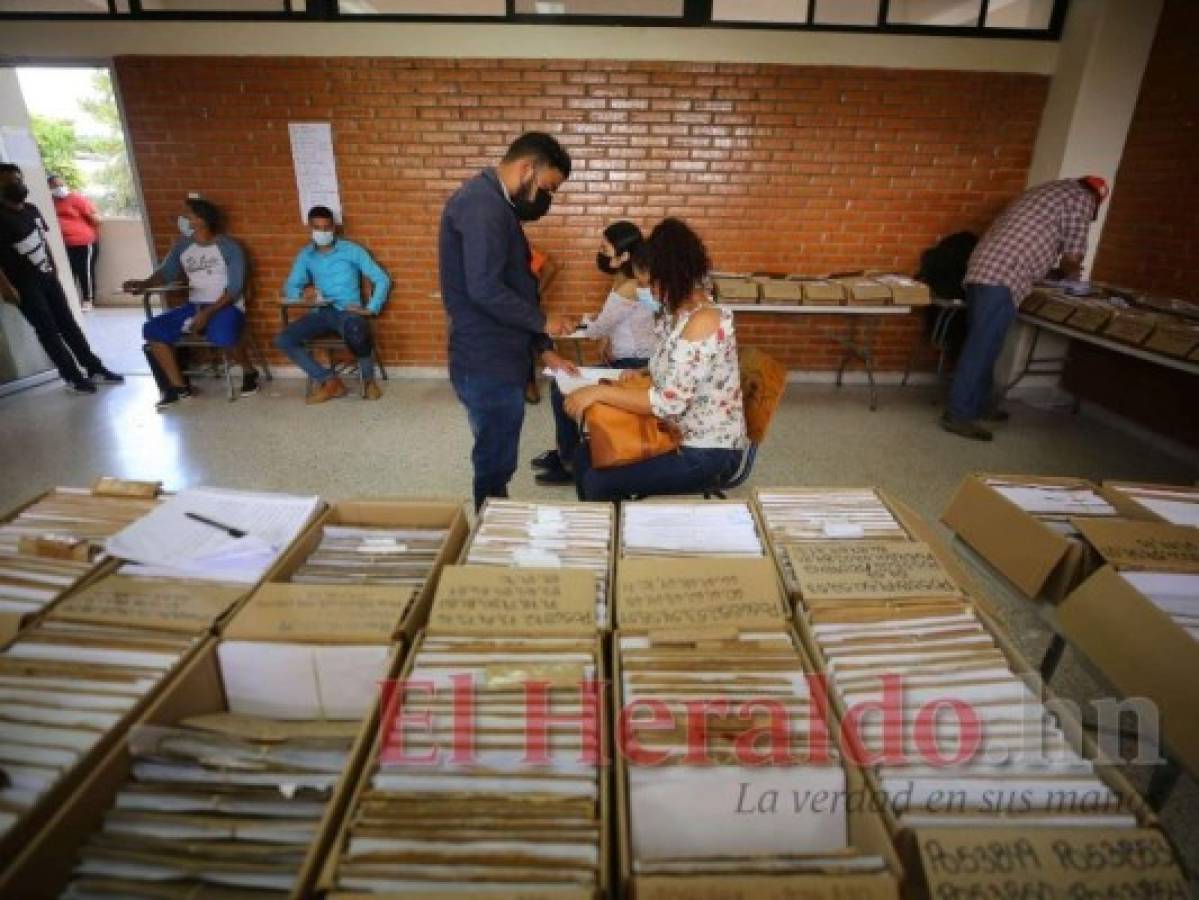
620	438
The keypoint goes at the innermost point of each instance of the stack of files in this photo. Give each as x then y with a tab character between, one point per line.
1174	593
792	515
547	535
1016	768
673	528
219	805
63	688
693	817
500	821
28	584
1178	507
73	514
362	554
1054	505
213	534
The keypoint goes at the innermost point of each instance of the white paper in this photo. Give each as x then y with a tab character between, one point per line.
588	376
315	166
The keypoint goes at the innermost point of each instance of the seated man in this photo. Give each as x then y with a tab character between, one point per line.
214	267
329	270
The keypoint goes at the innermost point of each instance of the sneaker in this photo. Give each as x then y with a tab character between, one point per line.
106	376
172	396
552	477
82	386
371	390
249	384
547	460
532	393
330	389
971	430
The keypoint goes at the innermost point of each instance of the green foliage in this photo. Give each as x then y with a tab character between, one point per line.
59	146
115	176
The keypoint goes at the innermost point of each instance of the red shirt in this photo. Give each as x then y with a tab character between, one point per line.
73	211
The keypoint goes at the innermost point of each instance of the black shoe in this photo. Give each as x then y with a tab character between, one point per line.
996	414
105	376
172	396
249	384
82	386
547	460
556	476
965	429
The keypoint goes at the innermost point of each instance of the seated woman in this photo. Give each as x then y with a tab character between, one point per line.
625	324
214	267
696	382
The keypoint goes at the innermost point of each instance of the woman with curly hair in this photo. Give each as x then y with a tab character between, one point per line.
696	383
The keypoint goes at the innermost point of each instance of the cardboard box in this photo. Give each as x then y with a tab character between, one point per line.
1184	309
1130	326
1090	315
386	513
1137	646
1040	562
43	867
906	291
1056	308
1034	301
735	290
1129	507
862	291
1175	339
777	292
822	292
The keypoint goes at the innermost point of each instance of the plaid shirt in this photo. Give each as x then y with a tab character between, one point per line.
1032	234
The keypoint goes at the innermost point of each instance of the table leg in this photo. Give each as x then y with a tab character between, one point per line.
1161	784
1053	656
866	352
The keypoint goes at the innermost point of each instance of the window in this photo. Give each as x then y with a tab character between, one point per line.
935	13
789	11
423	8
54	6
607	8
1034	14
215	6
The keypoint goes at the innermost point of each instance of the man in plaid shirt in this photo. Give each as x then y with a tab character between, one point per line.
1044	227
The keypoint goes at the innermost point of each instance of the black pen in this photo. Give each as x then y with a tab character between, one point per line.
228	529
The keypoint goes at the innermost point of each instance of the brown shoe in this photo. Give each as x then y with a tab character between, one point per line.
330	389
371	390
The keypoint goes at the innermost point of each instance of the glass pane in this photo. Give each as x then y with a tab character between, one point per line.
935	13
847	12
654	8
213	6
1019	13
422	8
54	6
791	11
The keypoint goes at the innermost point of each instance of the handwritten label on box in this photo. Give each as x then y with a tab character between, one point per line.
167	603
868	570
694	593
499	600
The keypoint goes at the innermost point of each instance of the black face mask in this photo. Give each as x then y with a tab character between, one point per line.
532	210
603	262
15	192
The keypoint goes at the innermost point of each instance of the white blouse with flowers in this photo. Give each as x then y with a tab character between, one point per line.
697	384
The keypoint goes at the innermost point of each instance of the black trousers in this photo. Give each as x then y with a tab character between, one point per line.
44	306
83	267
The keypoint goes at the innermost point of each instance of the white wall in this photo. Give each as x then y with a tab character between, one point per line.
124	254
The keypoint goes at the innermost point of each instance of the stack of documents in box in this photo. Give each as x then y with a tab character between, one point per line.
1179	507
29	583
63	687
73	514
694	808
213	534
361	554
497	821
1174	593
219	802
673	528
999	758
1052	504
547	535
821	514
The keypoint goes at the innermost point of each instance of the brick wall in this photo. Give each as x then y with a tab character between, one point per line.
779	168
1151	237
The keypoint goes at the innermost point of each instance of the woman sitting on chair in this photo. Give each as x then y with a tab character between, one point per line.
696	382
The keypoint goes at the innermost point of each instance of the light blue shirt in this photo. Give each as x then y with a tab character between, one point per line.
337	274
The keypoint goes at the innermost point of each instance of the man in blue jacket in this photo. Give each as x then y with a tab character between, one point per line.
330	270
490	293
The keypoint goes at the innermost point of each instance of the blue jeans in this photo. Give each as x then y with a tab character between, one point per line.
690	470
496	411
566	429
990	312
351	327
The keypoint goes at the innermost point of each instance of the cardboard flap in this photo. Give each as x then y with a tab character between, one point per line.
1048	862
172	604
697	593
107	486
494	600
321	614
813	886
1149	546
1025	550
867	570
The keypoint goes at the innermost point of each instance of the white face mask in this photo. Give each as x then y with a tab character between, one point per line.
185	226
323	238
647	299
61	192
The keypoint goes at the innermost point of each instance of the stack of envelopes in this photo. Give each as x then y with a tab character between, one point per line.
547	535
1174	593
1054	505
821	514
1179	506
64	686
688	816
73	513
360	554
218	802
28	584
516	815
673	528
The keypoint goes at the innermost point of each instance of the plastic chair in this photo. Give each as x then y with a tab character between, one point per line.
335	348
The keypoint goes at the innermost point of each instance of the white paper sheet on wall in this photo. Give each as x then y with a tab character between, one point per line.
19	146
316	168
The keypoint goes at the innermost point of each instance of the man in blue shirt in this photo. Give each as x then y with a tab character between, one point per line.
490	294
329	270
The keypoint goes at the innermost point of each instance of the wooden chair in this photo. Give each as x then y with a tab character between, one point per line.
335	348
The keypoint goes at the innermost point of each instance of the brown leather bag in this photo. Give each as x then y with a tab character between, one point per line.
620	438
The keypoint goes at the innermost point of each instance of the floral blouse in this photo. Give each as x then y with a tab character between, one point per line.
697	384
